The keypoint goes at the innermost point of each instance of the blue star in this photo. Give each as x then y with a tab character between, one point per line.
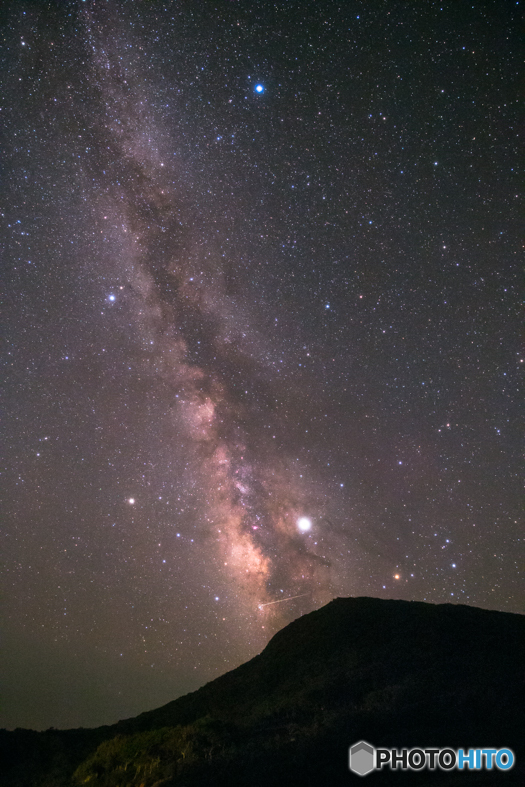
259	88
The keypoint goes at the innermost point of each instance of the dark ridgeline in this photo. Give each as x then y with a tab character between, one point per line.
394	673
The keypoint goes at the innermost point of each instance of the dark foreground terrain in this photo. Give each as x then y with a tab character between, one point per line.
394	673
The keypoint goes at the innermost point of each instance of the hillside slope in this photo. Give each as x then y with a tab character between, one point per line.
394	673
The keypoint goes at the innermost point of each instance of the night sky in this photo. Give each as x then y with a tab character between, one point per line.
262	330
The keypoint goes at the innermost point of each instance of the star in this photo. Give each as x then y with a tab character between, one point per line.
259	88
304	524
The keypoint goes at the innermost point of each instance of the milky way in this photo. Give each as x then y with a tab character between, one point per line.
262	321
228	400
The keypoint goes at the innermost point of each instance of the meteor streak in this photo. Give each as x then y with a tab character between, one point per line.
280	600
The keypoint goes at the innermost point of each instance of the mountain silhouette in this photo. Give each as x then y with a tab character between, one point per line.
393	673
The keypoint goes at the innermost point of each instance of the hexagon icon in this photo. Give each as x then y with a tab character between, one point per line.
361	758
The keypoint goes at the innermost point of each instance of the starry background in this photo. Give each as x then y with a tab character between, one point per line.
261	344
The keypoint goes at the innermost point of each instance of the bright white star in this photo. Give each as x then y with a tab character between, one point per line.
304	524
259	89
